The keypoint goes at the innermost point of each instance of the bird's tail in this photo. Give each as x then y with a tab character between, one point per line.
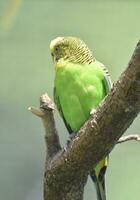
98	177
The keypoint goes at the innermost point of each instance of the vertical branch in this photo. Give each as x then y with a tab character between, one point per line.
45	112
51	136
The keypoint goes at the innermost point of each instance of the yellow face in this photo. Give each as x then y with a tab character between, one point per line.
69	49
56	51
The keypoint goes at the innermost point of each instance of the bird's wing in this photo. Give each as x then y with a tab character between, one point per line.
103	74
107	83
107	80
57	102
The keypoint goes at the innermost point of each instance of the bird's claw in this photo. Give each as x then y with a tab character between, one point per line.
71	136
92	111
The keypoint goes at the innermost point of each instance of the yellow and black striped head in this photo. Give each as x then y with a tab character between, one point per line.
70	49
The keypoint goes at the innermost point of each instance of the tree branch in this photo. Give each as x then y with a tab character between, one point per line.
45	112
66	173
128	138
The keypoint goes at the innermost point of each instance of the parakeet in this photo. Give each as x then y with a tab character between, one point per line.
81	83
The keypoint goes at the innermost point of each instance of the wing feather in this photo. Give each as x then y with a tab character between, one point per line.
58	104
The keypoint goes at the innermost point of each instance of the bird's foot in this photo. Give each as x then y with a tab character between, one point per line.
71	136
92	111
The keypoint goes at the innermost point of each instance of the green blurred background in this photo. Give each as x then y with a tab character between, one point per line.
111	29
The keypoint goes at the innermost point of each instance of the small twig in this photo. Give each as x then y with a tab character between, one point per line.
128	138
45	112
36	111
46	103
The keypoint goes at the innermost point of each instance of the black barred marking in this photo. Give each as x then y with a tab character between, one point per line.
99	183
72	49
102	174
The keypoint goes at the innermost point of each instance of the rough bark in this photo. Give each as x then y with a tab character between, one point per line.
66	172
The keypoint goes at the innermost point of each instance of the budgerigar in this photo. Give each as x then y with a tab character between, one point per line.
81	83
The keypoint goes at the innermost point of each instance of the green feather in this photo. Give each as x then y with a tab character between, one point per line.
80	88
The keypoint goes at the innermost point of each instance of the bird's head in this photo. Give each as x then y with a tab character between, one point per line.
69	49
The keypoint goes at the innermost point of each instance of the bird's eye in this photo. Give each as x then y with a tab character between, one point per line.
52	54
57	49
